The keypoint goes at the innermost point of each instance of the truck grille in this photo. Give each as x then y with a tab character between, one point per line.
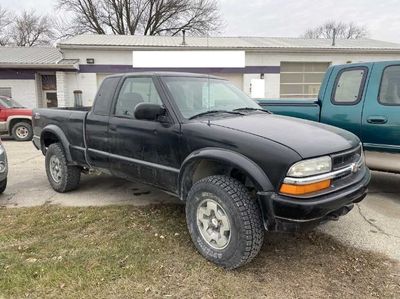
344	159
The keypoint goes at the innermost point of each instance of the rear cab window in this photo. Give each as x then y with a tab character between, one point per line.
105	96
349	86
389	91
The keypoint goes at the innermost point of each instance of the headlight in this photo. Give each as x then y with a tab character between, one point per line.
304	169
310	167
3	166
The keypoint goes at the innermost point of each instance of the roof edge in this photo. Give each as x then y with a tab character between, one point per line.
249	49
38	66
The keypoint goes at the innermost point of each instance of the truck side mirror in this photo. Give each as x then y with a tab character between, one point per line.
148	111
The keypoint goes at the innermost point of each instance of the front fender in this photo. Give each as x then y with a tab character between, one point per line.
232	158
58	132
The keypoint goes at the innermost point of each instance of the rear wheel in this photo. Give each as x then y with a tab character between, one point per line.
22	131
224	221
62	177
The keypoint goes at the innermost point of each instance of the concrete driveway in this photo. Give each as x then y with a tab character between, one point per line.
373	224
28	185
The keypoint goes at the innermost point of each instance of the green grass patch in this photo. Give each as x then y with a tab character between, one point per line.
105	252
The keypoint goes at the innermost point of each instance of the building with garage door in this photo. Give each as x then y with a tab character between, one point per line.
263	67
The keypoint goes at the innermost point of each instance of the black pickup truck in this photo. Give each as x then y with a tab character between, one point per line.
240	169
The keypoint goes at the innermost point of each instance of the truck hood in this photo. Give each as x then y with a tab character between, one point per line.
307	138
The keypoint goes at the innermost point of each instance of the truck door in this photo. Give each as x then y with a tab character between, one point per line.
143	150
343	100
381	116
97	138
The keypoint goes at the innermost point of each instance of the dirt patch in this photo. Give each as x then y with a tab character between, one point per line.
127	251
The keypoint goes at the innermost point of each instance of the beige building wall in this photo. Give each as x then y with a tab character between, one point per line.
68	82
23	91
89	82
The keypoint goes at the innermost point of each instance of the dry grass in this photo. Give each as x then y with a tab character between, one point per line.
120	252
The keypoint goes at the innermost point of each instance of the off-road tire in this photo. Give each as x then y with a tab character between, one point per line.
3	185
247	232
25	125
70	175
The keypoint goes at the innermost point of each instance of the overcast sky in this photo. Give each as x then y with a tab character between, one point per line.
285	17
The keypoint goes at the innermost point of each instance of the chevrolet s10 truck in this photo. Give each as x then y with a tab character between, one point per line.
362	98
240	169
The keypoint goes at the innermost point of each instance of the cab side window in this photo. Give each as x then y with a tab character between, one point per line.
135	91
389	92
349	86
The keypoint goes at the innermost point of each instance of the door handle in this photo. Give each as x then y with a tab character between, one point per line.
377	119
112	127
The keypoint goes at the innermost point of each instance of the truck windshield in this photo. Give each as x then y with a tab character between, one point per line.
9	103
196	96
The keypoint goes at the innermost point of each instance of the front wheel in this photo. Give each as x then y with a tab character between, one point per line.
62	177
224	221
22	131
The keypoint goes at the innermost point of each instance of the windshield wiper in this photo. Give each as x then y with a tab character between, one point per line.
251	109
215	111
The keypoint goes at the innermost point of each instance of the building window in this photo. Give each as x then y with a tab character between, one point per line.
5	92
302	79
49	82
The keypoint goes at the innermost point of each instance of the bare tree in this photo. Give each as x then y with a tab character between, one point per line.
147	17
343	30
29	29
65	28
5	20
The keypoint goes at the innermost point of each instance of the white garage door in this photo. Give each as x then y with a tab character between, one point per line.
302	79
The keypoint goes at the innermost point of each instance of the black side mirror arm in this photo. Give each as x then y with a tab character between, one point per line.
163	116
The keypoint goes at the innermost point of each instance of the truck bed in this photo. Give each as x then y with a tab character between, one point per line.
301	108
70	119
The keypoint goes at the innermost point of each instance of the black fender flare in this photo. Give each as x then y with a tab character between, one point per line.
230	157
57	131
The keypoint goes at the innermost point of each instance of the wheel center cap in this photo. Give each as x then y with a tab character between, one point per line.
214	222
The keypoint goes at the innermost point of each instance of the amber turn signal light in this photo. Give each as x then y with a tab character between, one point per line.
304	189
